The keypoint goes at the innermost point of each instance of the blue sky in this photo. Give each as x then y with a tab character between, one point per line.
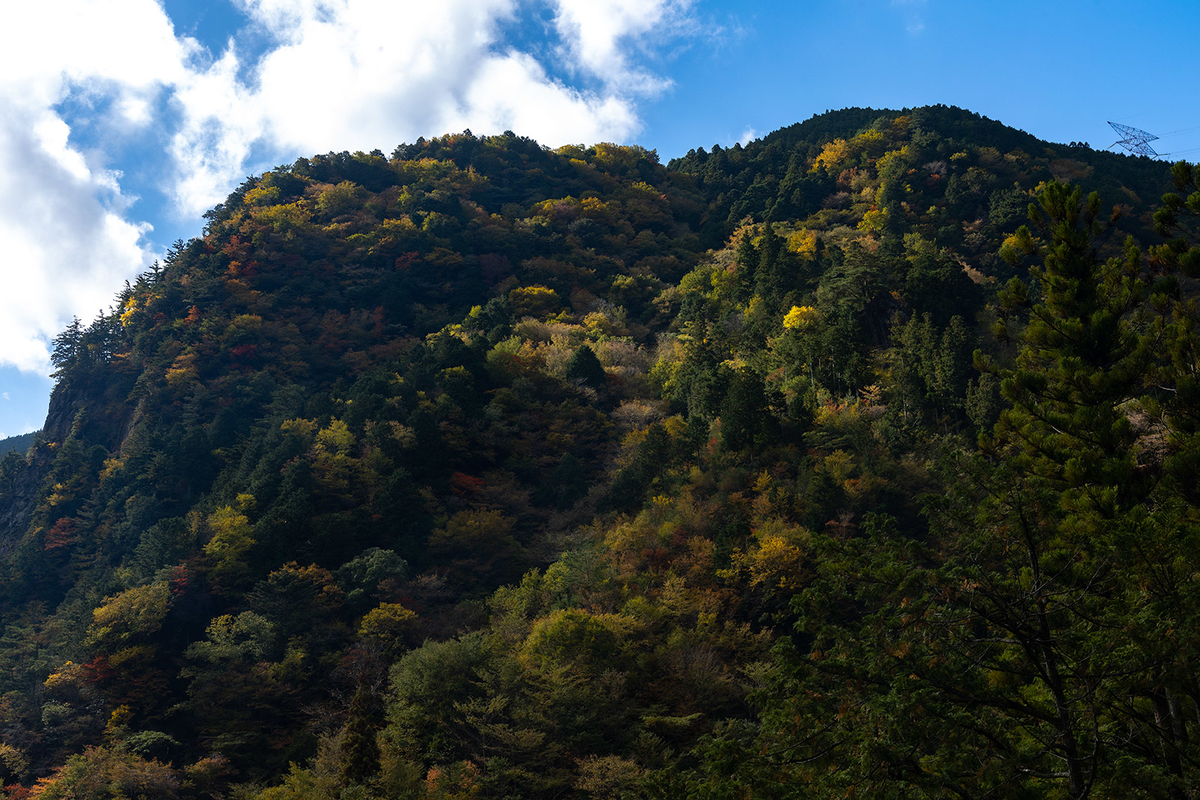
122	120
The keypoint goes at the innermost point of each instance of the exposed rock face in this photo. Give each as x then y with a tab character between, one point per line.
16	508
102	414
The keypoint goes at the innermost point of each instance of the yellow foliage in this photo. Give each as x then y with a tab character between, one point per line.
335	439
800	317
776	559
874	221
102	772
572	151
111	466
285	219
576	636
598	324
776	563
131	307
135	612
66	678
676	426
867	139
182	370
302	429
803	243
839	416
594	207
15	760
533	301
335	468
608	776
261	195
618	156
339	199
891	163
839	465
629	446
839	150
831	155
231	538
386	622
120	717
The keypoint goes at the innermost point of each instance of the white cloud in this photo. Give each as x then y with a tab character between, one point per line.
748	136
598	37
914	19
366	74
65	244
336	75
65	250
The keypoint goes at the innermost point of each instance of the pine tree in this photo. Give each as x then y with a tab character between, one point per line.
66	347
360	751
583	366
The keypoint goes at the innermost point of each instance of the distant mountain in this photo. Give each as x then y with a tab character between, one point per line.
806	468
19	443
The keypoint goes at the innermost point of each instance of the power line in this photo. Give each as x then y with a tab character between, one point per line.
1182	130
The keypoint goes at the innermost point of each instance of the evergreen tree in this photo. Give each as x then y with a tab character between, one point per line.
360	751
583	366
66	347
747	258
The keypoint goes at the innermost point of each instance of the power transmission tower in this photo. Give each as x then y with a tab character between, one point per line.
1134	140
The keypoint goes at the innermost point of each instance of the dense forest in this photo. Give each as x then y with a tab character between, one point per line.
22	443
858	461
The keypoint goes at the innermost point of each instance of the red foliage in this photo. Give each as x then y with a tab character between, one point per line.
61	535
243	353
465	485
178	582
656	558
98	670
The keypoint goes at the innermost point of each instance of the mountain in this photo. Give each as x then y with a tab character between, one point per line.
19	443
792	469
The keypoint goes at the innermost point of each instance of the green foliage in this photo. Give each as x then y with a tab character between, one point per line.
583	366
474	471
104	774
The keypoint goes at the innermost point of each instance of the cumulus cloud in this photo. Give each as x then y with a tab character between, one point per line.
366	74
65	244
334	75
600	36
65	249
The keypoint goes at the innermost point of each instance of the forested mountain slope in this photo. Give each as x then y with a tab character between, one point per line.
21	443
794	469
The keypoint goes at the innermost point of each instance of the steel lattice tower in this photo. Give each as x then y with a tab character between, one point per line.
1134	140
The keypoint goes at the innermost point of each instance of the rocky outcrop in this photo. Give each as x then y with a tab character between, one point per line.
98	413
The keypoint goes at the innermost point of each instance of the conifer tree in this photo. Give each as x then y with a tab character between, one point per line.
583	366
360	751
